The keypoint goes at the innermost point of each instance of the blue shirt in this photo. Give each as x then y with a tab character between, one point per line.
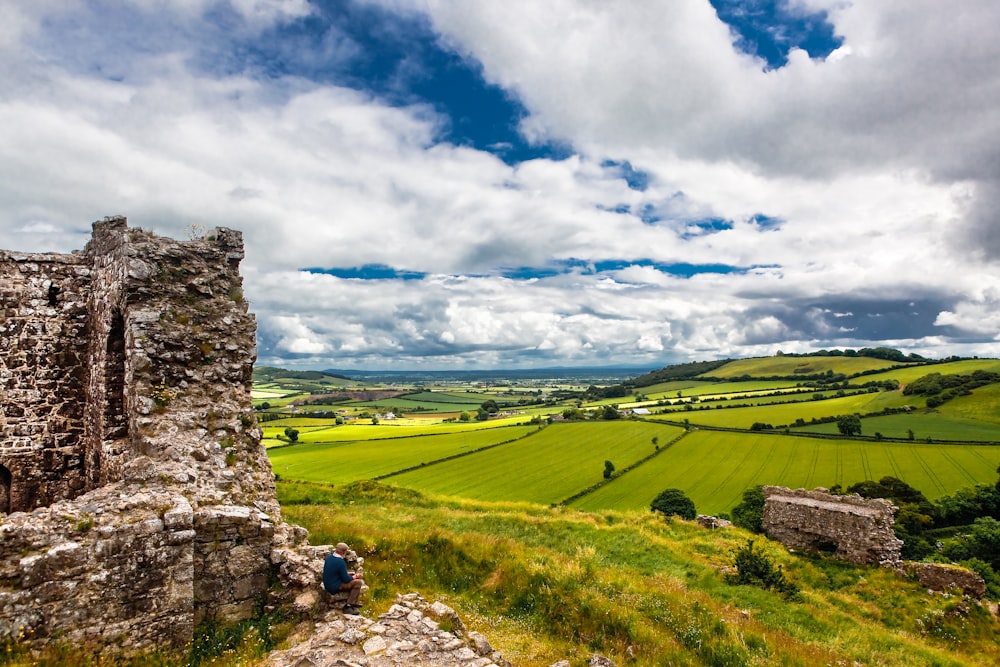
335	573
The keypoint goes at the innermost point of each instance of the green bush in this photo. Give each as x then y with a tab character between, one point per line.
755	568
749	514
673	502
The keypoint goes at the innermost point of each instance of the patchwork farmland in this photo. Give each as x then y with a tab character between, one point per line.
550	444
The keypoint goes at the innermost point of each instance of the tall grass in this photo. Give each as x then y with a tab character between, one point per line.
546	584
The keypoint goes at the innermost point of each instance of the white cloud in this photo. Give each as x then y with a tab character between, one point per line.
879	164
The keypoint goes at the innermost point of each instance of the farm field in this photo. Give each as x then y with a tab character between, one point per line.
324	431
546	467
907	375
431	401
793	366
714	468
982	405
787	412
934	425
736	388
348	461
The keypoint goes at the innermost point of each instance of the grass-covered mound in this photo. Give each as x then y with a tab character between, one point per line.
546	584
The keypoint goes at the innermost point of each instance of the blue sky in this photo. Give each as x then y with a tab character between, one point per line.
471	184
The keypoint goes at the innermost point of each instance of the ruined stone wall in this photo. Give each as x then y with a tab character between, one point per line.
111	567
852	528
43	341
141	500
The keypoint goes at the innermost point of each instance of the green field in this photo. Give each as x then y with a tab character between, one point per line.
323	430
787	412
935	425
714	468
796	366
546	467
964	367
983	404
341	462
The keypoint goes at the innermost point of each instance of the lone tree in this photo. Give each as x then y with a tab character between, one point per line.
849	424
292	434
673	501
609	469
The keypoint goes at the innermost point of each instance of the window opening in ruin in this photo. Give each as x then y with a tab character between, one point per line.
53	295
826	547
5	482
115	424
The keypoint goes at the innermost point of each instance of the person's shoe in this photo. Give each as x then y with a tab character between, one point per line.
351	611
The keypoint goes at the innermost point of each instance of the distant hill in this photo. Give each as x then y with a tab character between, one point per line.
271	373
805	368
678	372
809	366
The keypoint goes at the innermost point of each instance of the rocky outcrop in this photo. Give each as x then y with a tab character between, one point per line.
943	577
412	632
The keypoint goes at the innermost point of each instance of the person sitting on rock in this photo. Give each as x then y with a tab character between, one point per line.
337	578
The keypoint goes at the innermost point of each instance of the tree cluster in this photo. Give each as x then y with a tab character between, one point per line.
941	388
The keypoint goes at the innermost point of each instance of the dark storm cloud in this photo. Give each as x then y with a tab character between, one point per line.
864	319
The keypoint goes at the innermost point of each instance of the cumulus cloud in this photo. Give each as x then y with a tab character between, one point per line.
875	171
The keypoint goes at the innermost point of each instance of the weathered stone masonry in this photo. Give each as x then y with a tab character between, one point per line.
135	496
855	529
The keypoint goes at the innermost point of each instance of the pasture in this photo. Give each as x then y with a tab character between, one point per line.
325	431
907	375
785	413
798	366
348	461
935	425
566	458
714	468
546	467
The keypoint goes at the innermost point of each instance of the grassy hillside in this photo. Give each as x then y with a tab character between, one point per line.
798	366
550	584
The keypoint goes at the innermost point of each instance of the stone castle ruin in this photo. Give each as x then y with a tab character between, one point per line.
136	499
849	527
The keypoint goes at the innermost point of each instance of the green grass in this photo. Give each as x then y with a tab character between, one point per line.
908	375
982	405
798	366
338	463
714	468
324	430
406	404
786	413
551	584
934	425
546	467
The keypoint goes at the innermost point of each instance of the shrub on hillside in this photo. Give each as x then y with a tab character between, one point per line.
672	502
749	514
755	568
